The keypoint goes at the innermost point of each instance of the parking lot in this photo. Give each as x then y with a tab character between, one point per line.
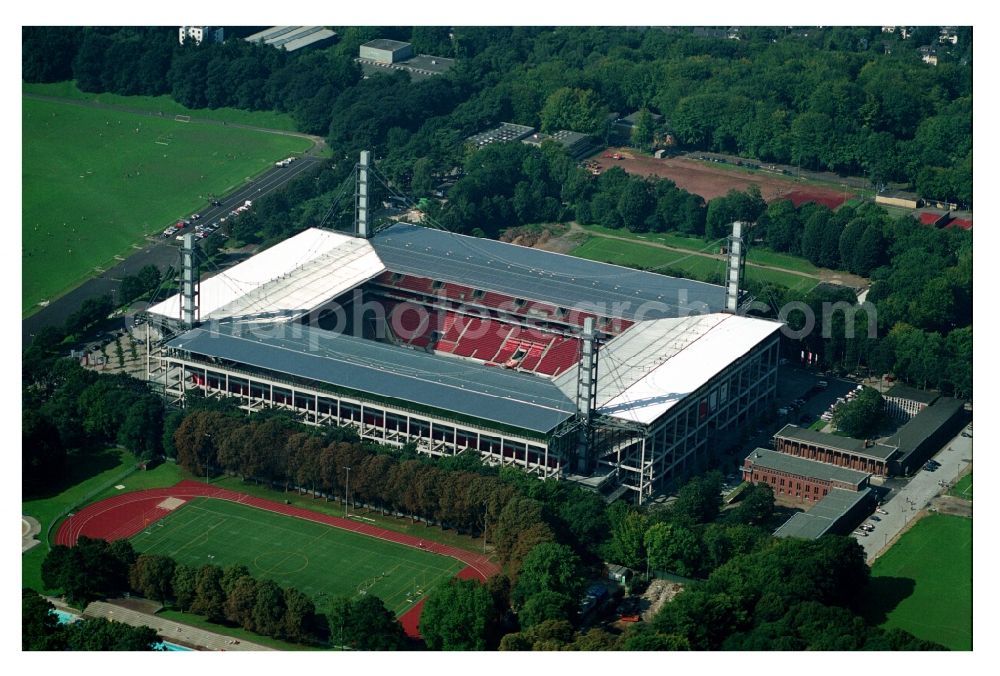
908	498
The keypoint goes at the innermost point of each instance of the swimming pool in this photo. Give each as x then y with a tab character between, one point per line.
67	618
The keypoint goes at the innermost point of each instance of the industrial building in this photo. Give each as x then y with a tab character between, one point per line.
567	368
381	54
836	514
293	38
506	132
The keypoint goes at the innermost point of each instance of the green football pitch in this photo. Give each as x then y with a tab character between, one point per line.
321	561
95	182
923	584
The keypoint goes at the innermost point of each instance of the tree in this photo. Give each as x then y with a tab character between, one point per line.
269	609
756	505
634	206
365	624
861	416
643	130
301	622
646	638
548	567
40	628
43	456
141	431
674	548
546	605
628	528
700	499
183	585
104	635
573	109
241	598
152	576
459	616
209	598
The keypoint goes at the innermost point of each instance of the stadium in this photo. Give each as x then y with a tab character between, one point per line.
622	380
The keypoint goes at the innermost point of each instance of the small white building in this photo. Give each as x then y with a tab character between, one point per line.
200	33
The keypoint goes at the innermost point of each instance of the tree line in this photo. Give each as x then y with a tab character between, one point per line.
850	100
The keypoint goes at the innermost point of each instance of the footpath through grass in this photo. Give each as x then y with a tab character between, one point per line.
95	182
628	253
923	584
322	561
164	104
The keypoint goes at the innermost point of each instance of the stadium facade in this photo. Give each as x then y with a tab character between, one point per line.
567	368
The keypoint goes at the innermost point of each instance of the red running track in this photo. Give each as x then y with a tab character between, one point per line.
125	515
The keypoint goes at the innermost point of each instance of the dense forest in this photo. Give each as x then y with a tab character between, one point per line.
851	100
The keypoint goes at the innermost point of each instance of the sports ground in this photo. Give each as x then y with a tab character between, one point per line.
323	556
923	584
95	181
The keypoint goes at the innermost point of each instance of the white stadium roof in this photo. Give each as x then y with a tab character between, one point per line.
652	365
285	282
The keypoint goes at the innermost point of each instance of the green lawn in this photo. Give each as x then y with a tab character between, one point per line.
399	525
923	584
255	118
227	630
754	254
95	182
321	561
963	489
91	478
625	253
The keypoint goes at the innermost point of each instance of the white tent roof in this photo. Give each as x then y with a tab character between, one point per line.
292	278
652	365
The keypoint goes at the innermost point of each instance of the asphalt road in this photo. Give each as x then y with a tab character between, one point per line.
157	250
907	502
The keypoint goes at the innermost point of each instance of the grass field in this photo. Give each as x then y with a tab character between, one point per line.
94	182
963	489
620	252
923	584
91	478
321	506
321	561
255	118
754	255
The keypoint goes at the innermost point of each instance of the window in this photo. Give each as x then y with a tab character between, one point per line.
519	302
396	277
478	293
437	284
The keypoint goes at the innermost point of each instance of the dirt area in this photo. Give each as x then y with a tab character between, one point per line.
709	181
555	237
658	593
949	504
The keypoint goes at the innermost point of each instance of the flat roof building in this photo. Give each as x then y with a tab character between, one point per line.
507	132
836	514
386	51
903	402
927	432
375	55
857	454
292	38
799	478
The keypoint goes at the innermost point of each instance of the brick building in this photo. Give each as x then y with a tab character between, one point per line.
799	478
856	454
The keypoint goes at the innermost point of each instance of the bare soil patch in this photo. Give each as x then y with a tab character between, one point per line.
709	182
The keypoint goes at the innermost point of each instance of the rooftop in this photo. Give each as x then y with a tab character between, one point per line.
285	282
409	376
504	133
429	63
382	43
835	441
901	391
783	462
652	365
824	515
541	276
291	37
924	424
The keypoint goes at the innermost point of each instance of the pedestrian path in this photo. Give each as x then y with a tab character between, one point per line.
168	630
